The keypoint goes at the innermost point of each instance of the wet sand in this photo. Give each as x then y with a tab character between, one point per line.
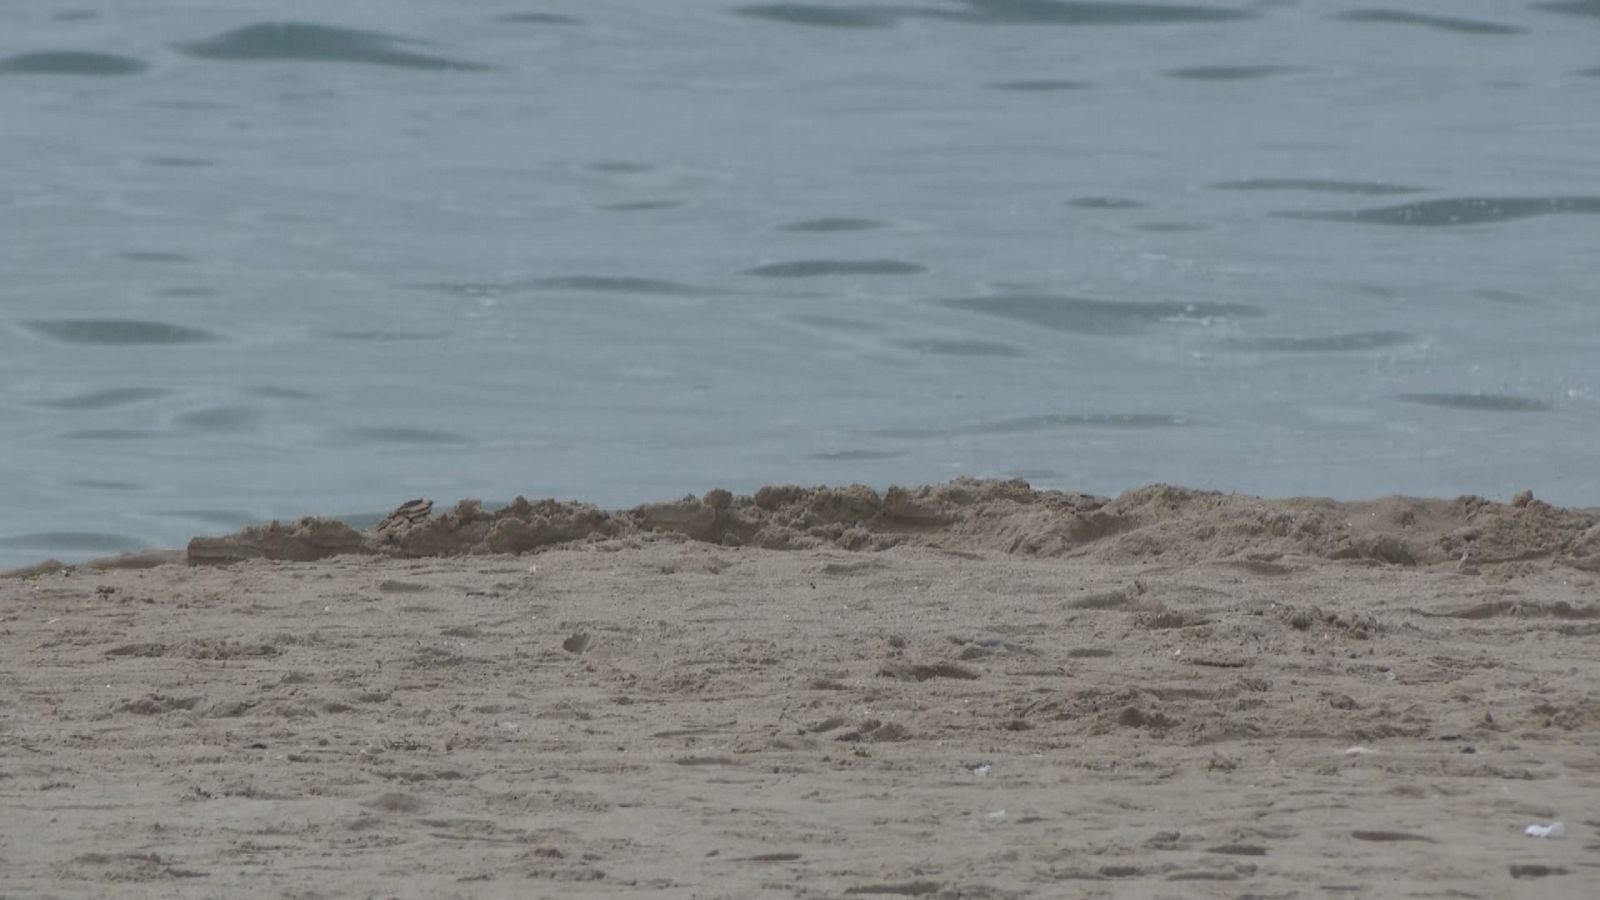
969	690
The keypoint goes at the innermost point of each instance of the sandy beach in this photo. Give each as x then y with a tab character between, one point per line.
970	690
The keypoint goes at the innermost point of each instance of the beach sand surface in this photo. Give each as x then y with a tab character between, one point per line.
970	690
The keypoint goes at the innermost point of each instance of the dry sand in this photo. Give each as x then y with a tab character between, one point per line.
971	690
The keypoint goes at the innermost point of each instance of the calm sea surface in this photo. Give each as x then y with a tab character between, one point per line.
264	260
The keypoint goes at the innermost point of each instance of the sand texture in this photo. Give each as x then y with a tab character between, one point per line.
971	690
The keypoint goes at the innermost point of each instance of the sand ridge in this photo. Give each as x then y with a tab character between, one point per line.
1156	522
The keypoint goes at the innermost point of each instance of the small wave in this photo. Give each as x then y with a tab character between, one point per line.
1096	317
960	347
1477	402
642	205
1105	203
854	455
601	284
1040	85
1441	23
535	18
95	541
1230	73
1328	343
1454	211
154	256
1318	185
304	42
835	323
991	12
815	268
106	399
382	434
1031	424
218	419
72	62
1064	12
832	224
1572	7
817	16
118	331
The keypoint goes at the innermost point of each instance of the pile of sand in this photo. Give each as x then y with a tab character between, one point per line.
1159	522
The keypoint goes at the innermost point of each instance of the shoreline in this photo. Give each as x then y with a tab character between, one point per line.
993	514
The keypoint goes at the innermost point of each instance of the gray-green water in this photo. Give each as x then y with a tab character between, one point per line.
263	260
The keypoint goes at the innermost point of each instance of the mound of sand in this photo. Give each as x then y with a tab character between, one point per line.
1160	522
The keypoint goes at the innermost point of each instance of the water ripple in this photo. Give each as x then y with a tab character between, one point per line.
118	331
1230	73
1039	85
1030	424
854	455
536	18
300	41
180	162
155	256
603	284
1064	12
1097	317
92	541
1442	23
816	268
71	62
1572	7
399	435
1478	402
641	205
960	347
833	223
381	336
817	16
1320	185
106	399
1329	343
991	12
1453	211
280	393
836	323
219	419
111	434
1104	203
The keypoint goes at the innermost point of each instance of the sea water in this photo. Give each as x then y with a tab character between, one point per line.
272	259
